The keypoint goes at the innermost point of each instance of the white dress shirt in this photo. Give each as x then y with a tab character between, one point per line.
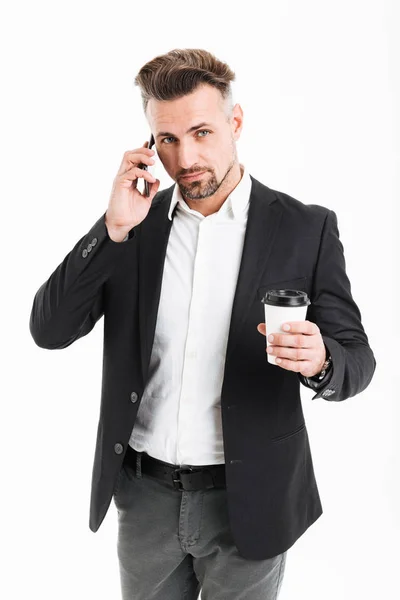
179	418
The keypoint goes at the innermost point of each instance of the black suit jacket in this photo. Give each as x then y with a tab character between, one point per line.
271	488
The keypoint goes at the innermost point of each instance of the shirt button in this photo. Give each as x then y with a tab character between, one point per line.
134	397
118	448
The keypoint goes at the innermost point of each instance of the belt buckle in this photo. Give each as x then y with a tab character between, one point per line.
176	476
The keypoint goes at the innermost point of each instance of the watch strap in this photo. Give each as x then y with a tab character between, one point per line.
325	369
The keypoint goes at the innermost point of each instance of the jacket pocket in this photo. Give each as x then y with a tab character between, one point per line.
285	436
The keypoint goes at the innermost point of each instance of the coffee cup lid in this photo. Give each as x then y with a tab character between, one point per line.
286	298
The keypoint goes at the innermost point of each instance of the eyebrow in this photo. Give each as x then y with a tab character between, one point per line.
161	133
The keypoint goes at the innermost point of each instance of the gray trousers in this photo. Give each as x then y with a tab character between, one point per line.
173	544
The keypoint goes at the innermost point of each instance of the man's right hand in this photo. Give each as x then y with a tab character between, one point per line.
127	206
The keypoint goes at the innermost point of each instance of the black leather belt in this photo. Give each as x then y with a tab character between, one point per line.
188	478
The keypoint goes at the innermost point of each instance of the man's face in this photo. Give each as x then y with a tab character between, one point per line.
210	146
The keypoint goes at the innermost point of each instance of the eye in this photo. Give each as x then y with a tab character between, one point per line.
171	138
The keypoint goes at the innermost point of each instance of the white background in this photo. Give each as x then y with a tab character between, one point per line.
318	84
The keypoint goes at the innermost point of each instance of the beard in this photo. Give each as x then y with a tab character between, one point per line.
204	187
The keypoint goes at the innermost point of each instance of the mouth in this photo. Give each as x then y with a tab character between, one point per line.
193	176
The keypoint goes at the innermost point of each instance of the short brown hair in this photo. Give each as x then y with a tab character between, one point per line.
180	72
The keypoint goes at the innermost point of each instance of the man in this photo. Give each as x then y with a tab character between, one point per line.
201	441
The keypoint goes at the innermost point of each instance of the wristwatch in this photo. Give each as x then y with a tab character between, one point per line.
325	369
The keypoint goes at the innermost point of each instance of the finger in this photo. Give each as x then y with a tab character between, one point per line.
144	149
291	353
149	151
133	158
137	172
145	174
293	365
305	327
132	176
293	340
153	189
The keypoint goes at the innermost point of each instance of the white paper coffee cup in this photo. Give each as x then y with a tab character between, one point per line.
281	306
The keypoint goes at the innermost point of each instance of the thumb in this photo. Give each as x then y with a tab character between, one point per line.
154	189
262	328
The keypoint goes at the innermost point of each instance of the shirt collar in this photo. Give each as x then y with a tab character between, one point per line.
233	207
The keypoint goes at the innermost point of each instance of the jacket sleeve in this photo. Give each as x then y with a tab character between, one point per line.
338	317
67	306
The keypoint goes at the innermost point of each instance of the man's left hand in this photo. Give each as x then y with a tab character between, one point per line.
301	349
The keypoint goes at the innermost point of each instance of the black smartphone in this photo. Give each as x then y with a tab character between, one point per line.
147	184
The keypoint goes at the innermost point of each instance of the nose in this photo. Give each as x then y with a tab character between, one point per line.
187	156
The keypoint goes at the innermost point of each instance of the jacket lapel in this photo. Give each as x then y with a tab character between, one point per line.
153	240
263	222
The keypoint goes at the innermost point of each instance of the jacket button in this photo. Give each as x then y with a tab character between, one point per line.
84	253
94	241
118	448
134	397
89	248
